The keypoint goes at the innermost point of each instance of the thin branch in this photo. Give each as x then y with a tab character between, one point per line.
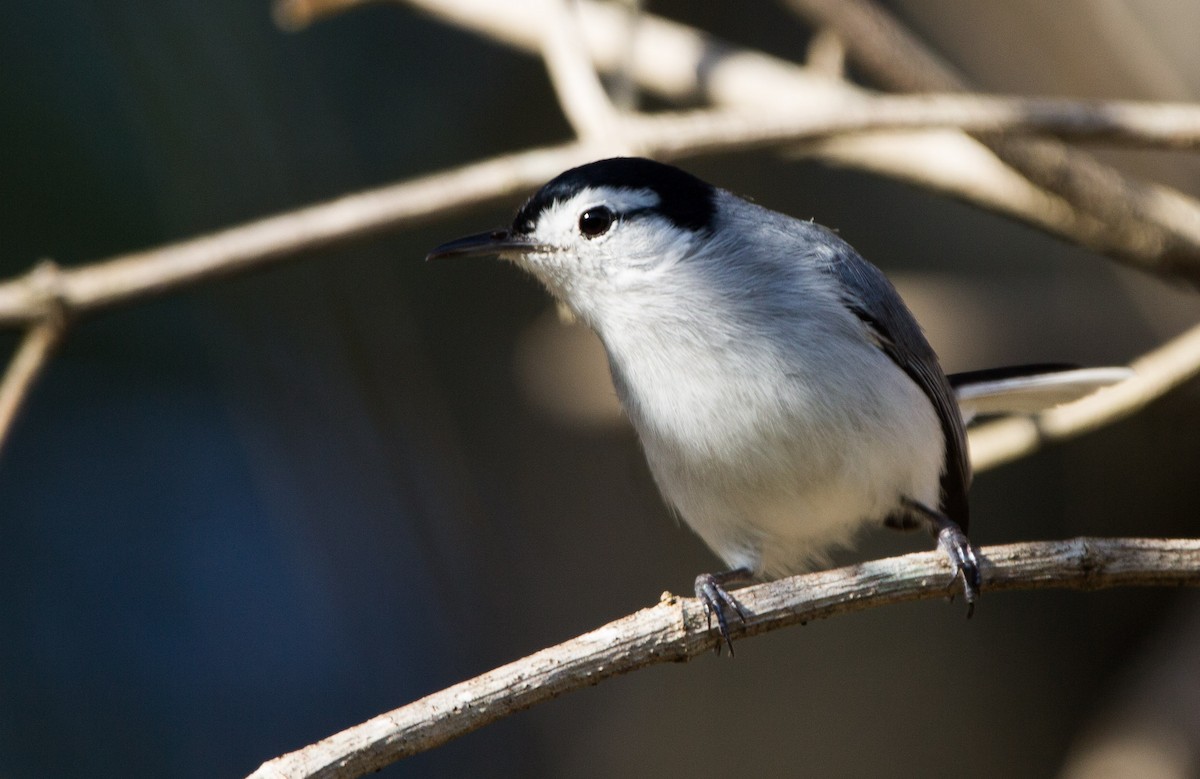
966	171
137	275
676	630
140	274
1129	124
576	83
1155	373
36	348
881	46
26	365
623	86
826	53
1135	218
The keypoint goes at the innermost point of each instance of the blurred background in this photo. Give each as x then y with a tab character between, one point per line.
240	517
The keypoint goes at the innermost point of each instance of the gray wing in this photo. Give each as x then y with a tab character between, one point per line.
874	300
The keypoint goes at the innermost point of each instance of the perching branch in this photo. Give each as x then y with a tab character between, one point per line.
675	630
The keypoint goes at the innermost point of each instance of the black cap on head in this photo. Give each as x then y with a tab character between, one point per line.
684	199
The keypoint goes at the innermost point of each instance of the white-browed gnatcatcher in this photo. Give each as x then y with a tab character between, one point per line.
783	393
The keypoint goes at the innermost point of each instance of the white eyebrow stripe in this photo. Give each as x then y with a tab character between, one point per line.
620	199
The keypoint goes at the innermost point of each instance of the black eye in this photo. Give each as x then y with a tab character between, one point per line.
595	221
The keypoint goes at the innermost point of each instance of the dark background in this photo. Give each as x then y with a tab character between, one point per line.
240	517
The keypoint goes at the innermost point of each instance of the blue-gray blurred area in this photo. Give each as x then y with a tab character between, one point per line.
237	518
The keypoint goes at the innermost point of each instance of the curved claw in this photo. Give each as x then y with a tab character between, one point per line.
963	561
710	591
953	542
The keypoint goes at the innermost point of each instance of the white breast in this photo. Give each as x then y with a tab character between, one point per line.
773	450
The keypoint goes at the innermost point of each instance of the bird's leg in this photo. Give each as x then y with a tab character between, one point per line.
957	547
710	590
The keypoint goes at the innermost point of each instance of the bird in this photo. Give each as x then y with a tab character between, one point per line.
784	395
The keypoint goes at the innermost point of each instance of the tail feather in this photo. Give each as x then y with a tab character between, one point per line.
1028	389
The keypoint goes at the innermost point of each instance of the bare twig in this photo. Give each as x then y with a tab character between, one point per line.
624	87
673	60
881	46
39	343
964	170
26	365
131	276
1147	125
826	54
1155	373
1137	220
676	630
576	83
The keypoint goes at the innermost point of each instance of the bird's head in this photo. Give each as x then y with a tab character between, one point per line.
609	227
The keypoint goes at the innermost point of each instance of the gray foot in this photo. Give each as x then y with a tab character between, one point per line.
710	590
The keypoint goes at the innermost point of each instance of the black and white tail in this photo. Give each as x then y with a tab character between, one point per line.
1028	389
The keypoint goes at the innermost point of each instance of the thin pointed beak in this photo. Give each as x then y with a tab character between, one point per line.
482	245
